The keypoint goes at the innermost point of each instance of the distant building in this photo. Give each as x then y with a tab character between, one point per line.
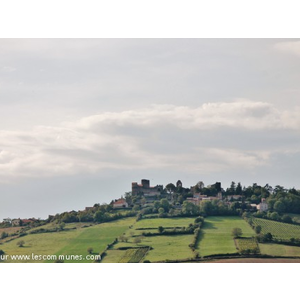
26	221
7	220
234	197
121	203
193	200
145	189
22	222
16	222
263	205
88	208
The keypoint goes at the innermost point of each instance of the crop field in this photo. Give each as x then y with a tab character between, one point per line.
277	229
133	255
247	244
164	247
10	230
70	242
216	238
164	222
279	250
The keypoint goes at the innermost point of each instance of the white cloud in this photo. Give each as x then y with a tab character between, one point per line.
110	140
240	114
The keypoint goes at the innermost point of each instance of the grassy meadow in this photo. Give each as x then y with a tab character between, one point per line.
279	250
75	242
164	247
216	238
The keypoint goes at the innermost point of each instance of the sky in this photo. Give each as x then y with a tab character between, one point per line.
80	119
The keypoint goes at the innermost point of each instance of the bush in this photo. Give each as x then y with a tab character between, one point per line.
21	243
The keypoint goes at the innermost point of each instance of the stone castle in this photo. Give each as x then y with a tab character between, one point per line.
145	189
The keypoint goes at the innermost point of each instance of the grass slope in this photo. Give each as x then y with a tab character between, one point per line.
216	235
73	242
279	250
164	247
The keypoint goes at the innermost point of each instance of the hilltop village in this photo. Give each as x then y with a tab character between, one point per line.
174	200
167	223
145	195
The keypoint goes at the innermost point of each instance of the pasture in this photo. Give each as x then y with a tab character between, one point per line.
216	238
164	247
70	242
279	250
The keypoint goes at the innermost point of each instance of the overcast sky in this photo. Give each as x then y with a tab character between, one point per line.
81	119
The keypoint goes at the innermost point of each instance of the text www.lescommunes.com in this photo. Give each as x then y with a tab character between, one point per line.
39	257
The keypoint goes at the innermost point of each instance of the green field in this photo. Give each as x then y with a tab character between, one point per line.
72	242
165	222
277	229
164	247
279	250
249	245
216	238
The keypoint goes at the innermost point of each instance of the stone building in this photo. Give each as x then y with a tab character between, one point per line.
263	205
144	189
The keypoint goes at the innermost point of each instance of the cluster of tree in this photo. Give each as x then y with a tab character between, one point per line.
4	235
284	201
216	208
98	213
275	216
252	194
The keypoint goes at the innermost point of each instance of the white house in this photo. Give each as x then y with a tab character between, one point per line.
121	203
263	205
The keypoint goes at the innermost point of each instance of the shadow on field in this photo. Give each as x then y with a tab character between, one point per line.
206	225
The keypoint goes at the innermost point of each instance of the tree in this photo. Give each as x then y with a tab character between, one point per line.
161	210
274	216
171	188
189	208
21	243
62	225
258	229
137	240
90	250
156	204
164	203
279	207
121	238
4	235
238	189
136	208
287	219
236	232
232	188
268	237
160	229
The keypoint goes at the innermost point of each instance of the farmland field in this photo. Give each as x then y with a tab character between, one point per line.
73	242
247	244
279	250
216	238
133	255
165	222
164	247
277	229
